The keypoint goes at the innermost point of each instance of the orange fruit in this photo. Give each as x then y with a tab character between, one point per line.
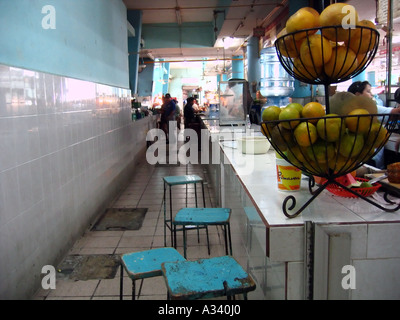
340	163
304	18
281	137
271	113
266	129
288	46
315	51
309	73
342	63
330	127
362	60
313	110
363	39
305	134
358	124
338	14
289	114
296	156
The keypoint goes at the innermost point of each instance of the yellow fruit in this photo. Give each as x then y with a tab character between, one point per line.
305	134
338	14
363	39
304	18
362	60
271	113
377	136
315	51
289	114
358	124
321	151
351	144
288	46
342	63
309	73
340	163
330	129
313	110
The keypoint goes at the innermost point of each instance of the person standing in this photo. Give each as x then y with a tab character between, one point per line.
168	114
363	88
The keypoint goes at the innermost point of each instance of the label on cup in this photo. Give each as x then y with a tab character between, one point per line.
288	176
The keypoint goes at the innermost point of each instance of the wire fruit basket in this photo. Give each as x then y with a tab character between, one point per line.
334	145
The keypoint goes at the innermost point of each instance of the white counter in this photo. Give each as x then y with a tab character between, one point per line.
345	232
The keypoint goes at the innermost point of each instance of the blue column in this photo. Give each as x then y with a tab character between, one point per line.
237	67
135	19
166	77
253	63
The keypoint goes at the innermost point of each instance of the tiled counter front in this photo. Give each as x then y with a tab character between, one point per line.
347	232
66	148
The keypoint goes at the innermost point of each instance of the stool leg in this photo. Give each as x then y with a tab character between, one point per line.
121	282
133	289
184	241
204	197
175	245
170	211
165	216
195	193
230	238
226	239
208	241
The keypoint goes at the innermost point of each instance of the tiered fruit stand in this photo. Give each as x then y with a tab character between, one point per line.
333	166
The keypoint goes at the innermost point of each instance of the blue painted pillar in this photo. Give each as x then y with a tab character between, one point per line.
166	69
135	19
253	63
237	67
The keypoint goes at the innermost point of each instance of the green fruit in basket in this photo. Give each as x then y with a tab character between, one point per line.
321	151
281	137
305	134
365	185
330	129
271	113
351	144
296	105
289	114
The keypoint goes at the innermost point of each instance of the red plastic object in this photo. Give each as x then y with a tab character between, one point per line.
339	191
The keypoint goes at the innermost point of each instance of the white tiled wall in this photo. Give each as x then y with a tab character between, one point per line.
64	146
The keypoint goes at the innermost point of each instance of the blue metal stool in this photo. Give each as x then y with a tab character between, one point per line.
145	264
206	278
204	217
174	181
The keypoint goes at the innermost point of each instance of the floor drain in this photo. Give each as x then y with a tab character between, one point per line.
89	267
119	219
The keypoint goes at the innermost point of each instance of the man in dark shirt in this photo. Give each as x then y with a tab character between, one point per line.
188	112
168	114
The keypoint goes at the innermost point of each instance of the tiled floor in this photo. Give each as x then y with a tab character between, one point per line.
144	191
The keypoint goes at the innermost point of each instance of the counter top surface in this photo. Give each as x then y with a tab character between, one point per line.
258	175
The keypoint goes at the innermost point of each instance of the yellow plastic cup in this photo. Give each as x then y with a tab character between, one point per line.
288	176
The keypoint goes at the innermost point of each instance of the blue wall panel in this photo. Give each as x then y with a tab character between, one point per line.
89	40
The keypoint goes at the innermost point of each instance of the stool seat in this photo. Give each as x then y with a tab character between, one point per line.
146	264
185	179
206	278
204	217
